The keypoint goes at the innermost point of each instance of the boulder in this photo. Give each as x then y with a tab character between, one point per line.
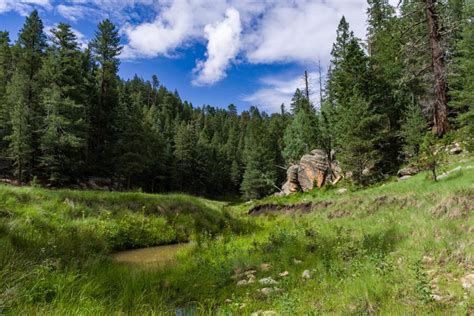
314	169
455	149
408	171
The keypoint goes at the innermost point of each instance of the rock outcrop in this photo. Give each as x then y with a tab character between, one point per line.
313	170
408	171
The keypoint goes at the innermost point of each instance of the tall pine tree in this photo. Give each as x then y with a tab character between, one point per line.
105	48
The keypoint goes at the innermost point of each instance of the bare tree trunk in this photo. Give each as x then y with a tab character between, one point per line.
306	83
320	84
440	118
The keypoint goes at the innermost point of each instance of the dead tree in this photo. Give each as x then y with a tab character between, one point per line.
306	85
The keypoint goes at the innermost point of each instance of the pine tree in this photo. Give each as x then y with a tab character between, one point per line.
132	152
388	90
64	141
359	131
462	78
412	131
338	53
20	139
105	48
24	97
301	134
184	154
259	176
6	69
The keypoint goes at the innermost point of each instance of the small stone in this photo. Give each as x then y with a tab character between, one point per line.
267	291
267	281
284	274
341	191
296	261
242	283
404	178
456	149
467	281
228	300
269	313
306	274
427	259
265	267
242	306
249	272
436	297
251	279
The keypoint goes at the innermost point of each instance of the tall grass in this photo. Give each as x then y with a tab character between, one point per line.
398	248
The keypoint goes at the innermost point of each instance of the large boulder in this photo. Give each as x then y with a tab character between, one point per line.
314	169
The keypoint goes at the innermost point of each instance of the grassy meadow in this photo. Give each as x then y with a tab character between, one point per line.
398	248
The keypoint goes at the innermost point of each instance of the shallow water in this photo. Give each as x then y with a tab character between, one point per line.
159	255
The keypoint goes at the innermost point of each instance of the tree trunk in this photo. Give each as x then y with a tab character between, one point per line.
440	118
306	85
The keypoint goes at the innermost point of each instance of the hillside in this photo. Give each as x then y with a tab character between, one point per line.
396	248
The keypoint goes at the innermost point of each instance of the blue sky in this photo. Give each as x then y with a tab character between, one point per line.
217	52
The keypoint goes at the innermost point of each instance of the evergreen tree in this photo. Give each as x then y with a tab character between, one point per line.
259	176
301	136
64	140
462	78
359	131
24	97
388	90
6	69
412	131
106	49
184	154
20	139
132	152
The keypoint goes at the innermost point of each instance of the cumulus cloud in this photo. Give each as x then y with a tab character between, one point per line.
280	89
259	32
164	34
302	31
222	46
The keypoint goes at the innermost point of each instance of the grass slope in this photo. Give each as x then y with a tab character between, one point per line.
398	248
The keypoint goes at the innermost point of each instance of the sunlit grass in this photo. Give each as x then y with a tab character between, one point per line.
389	249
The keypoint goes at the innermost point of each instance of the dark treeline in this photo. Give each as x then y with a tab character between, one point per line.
66	116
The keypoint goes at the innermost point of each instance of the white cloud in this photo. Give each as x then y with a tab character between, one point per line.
222	46
164	34
76	12
23	7
302	31
271	31
280	89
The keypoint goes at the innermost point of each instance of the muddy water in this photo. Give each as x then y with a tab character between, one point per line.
160	255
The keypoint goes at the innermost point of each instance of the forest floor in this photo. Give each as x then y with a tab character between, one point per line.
397	248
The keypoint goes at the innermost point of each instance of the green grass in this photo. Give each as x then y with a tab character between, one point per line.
389	249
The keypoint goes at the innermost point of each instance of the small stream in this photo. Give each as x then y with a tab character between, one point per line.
159	255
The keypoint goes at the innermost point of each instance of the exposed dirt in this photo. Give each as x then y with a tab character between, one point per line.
455	207
339	214
275	208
